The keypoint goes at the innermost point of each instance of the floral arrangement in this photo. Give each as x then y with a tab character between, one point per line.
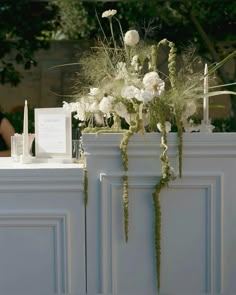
125	88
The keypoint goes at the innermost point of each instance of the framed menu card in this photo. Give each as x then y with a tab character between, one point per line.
53	133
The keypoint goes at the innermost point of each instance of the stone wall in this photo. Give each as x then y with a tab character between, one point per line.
44	86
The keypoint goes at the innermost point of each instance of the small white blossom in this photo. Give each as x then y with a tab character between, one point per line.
167	126
190	108
131	38
94	107
94	91
106	104
122	72
129	92
109	13
135	63
144	95
67	106
152	82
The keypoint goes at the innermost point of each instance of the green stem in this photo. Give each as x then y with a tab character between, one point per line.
112	33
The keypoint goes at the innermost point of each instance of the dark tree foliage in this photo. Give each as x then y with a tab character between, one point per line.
23	25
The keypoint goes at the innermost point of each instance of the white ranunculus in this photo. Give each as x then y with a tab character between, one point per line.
109	13
105	104
120	109
167	126
153	82
129	92
144	95
131	38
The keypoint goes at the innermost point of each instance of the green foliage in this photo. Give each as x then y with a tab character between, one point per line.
73	19
17	119
23	29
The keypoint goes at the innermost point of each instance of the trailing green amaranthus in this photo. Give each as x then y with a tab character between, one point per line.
134	128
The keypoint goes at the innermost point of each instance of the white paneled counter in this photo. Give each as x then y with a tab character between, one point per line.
42	228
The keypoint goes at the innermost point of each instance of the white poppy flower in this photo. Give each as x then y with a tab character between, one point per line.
152	81
167	126
105	104
109	13
144	95
131	38
129	92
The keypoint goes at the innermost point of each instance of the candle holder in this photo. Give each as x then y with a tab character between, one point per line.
17	147
206	127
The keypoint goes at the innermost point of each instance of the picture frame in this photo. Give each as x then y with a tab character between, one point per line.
53	133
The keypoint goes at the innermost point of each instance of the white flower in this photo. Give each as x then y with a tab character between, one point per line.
135	63
109	13
190	108
94	91
120	109
67	106
129	92
129	118
106	104
122	72
131	38
144	95
152	81
94	107
167	126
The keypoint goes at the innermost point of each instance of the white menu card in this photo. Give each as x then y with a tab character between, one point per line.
52	133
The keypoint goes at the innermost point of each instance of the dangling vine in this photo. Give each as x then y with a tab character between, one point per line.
161	112
166	177
134	128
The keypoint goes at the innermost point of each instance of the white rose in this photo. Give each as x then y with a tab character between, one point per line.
152	81
129	92
105	104
131	38
144	95
109	13
167	126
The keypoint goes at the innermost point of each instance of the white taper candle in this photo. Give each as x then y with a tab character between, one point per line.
25	131
206	98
